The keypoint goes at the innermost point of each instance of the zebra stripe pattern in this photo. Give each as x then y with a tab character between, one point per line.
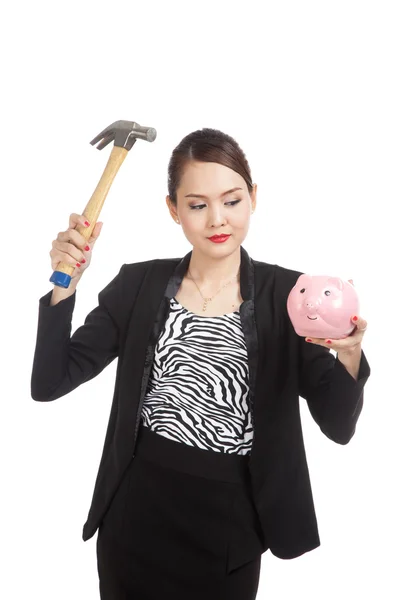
198	386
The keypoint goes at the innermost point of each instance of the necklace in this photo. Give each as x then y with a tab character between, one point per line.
206	300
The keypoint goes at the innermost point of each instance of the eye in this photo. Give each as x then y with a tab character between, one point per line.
327	292
199	206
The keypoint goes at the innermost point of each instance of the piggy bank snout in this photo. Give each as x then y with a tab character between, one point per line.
311	302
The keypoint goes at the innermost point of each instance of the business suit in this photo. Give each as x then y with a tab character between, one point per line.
125	325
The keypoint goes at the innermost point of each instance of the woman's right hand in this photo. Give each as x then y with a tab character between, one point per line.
69	247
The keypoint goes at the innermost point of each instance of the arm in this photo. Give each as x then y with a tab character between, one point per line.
351	361
334	396
61	363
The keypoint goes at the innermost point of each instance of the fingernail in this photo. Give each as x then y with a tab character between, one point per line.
78	264
308	340
87	223
355	318
83	260
328	342
87	248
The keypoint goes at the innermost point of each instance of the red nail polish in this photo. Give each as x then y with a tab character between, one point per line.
78	264
355	318
328	342
308	340
87	223
87	248
83	260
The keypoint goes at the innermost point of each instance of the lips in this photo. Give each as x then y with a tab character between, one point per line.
219	237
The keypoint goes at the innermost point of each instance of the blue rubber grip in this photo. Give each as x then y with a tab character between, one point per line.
60	279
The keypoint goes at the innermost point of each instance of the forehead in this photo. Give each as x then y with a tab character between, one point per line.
209	178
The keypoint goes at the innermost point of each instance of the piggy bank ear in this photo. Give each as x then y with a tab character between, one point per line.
335	282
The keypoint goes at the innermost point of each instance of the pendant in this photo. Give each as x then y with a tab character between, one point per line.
205	303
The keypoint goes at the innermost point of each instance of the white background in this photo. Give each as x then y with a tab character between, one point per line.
310	90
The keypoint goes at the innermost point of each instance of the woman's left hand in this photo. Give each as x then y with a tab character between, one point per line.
348	344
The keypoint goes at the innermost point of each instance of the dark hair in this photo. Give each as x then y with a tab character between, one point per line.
206	145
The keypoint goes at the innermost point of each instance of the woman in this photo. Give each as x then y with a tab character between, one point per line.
203	467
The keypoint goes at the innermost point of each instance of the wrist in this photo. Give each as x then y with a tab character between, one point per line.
61	293
350	352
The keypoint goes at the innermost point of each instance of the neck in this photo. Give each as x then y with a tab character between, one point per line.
212	272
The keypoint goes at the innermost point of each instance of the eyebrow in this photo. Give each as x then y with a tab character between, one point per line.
206	198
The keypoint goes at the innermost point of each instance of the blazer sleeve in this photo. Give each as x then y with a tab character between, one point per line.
335	399
61	363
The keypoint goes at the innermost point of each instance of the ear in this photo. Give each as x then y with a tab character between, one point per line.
336	282
171	208
169	203
253	196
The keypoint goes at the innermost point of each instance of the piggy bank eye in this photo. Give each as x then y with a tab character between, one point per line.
327	293
302	291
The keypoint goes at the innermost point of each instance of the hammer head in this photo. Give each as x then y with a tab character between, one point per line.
125	134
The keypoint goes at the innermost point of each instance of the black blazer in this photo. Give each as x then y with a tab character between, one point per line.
131	312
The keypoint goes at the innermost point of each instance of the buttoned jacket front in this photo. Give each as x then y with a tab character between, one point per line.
126	324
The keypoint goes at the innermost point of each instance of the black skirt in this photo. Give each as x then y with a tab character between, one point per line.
182	524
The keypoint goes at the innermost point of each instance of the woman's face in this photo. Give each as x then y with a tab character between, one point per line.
214	213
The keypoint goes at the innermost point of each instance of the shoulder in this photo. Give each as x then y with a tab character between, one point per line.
135	273
133	269
136	267
283	278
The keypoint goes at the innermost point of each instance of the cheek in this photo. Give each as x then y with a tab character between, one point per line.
241	219
244	211
191	224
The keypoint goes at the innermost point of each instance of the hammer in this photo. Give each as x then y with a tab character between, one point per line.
125	134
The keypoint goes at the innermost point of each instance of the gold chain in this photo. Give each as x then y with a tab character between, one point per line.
206	300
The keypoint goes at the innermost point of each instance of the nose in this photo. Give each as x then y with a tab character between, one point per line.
312	301
217	218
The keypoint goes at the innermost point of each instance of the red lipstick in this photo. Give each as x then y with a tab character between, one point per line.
218	239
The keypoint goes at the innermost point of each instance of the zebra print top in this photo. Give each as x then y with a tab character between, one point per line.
198	385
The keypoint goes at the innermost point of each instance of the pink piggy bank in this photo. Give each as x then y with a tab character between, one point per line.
320	306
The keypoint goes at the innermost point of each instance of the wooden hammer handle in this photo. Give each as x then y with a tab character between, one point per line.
62	274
